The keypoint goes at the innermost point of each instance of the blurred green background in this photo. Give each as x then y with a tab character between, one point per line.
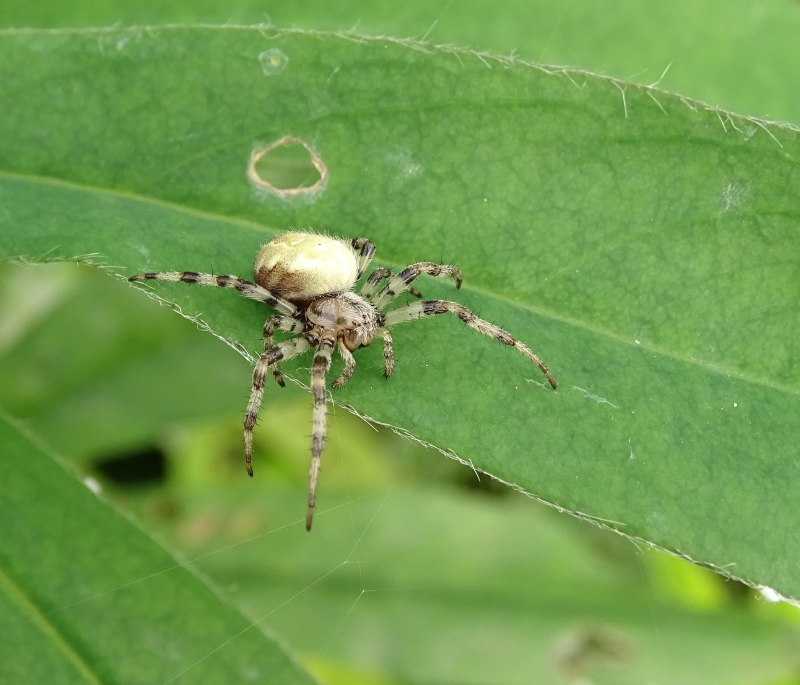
418	571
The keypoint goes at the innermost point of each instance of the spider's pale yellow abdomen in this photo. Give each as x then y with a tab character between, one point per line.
301	266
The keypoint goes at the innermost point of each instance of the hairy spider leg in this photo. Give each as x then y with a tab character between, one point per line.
400	283
283	351
366	253
349	366
417	310
284	323
246	288
388	355
322	362
372	283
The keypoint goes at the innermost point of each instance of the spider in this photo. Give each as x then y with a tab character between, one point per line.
310	280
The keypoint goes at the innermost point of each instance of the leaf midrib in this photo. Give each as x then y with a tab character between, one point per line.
40	619
251	225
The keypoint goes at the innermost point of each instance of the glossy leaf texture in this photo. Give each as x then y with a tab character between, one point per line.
86	597
641	244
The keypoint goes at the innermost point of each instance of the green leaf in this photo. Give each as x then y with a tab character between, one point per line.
93	368
736	54
86	597
440	587
642	245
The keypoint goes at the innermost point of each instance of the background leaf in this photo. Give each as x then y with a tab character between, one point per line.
96	369
545	600
86	597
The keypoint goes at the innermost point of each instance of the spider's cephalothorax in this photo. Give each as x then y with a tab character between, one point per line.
310	280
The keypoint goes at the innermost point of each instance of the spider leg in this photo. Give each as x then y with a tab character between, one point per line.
349	366
417	310
371	284
283	351
388	355
367	252
322	362
246	288
284	323
400	283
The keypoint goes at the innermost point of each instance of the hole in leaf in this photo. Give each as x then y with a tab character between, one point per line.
287	167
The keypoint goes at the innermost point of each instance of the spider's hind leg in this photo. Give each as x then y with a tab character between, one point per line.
246	288
401	283
371	284
417	310
374	280
366	251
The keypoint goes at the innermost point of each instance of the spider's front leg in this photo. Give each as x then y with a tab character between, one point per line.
284	351
284	323
417	310
349	366
319	369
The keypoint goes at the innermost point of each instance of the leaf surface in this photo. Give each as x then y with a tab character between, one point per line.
443	586
736	54
644	247
88	598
